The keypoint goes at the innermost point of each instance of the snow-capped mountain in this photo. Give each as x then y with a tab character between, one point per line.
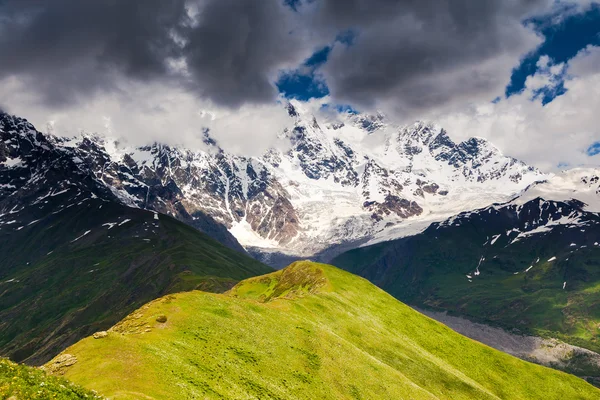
582	184
356	179
516	221
40	176
514	237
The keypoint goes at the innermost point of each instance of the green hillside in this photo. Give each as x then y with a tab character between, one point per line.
542	285
310	331
19	382
86	266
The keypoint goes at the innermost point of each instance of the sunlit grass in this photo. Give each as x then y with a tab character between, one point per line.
310	331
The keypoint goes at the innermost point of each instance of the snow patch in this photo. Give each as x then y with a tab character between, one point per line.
494	239
74	240
246	235
59	193
13	162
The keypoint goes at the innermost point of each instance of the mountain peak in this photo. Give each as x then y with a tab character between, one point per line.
330	187
11	126
369	122
420	131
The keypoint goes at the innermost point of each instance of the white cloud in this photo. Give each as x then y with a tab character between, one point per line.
543	135
548	76
143	113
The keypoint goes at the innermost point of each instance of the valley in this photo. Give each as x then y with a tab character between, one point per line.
549	352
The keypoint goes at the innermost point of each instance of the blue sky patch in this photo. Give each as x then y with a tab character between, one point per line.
563	41
318	58
341	108
304	83
302	87
549	93
293	4
594	149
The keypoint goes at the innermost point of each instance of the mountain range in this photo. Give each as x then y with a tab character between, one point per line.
327	185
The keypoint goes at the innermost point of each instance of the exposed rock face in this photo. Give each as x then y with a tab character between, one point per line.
60	363
393	204
592	180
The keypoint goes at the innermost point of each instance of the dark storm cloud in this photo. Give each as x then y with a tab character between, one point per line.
67	49
237	47
422	54
414	54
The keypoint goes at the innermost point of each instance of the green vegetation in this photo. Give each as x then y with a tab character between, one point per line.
514	290
310	331
58	284
19	382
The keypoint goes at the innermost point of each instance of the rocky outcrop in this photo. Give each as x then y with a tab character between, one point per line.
59	364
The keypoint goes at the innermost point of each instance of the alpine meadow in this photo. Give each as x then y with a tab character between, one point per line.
299	199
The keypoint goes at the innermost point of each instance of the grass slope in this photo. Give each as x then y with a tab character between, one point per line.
59	284
310	331
19	382
542	285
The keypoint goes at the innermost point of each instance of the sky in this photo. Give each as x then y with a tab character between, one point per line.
524	74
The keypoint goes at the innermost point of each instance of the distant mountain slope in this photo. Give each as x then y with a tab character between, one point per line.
34	167
530	265
345	181
66	273
22	382
74	259
310	331
581	184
